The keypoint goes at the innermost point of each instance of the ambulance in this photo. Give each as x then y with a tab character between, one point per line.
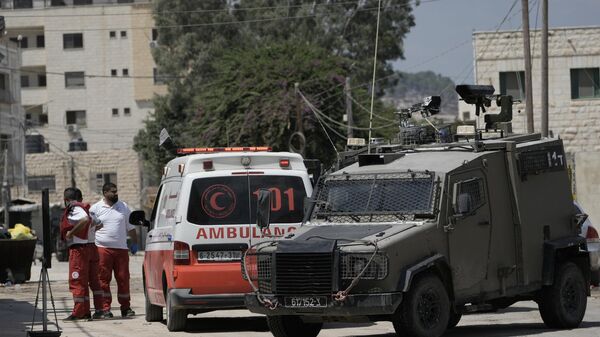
203	220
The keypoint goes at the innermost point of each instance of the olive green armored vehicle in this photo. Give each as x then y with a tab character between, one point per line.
419	236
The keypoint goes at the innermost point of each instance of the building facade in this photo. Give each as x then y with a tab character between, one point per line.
87	78
12	131
574	94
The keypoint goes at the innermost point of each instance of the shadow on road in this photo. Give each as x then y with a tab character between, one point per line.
225	324
16	317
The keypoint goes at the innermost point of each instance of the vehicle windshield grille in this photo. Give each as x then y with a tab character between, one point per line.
375	197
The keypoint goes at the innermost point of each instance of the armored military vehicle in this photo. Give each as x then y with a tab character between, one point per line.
420	236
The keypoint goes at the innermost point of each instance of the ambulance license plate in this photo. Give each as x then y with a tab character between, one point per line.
220	255
306	302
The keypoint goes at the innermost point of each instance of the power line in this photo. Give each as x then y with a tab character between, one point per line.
209	24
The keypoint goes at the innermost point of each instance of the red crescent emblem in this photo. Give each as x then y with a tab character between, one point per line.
213	201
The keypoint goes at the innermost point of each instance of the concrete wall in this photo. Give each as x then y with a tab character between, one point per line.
85	165
587	177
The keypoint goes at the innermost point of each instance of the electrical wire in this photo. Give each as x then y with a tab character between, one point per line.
312	108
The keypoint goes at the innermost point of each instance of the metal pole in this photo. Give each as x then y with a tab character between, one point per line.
544	68
527	54
5	191
349	117
72	164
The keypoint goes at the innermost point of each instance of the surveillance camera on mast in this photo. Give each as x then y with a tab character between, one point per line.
482	96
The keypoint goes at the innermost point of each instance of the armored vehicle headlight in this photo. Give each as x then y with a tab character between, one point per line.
352	264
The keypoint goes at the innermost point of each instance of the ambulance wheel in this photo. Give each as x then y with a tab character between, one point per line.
425	311
154	313
562	304
292	326
176	318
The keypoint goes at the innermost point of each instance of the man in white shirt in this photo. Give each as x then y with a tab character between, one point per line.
111	241
75	228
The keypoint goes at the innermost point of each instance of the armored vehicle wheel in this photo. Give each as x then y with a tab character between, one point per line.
176	318
292	326
425	311
562	305
154	313
454	319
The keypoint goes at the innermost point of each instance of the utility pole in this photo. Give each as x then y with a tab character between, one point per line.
5	190
298	108
349	118
527	54
544	68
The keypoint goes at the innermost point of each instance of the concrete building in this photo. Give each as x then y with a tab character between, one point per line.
87	77
12	132
574	94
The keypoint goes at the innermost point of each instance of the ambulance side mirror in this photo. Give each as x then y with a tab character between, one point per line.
138	218
263	208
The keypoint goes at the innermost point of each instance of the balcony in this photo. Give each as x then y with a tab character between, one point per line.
34	95
33	57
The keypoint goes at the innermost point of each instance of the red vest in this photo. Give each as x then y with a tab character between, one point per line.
65	226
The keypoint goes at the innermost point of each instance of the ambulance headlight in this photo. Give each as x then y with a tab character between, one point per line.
352	264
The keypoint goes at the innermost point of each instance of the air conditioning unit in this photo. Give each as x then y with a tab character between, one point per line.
153	44
72	128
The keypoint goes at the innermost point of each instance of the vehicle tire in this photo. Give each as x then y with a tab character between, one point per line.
562	305
61	250
454	318
595	278
425	311
154	313
176	318
292	326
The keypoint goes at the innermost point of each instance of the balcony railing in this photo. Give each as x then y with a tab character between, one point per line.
26	4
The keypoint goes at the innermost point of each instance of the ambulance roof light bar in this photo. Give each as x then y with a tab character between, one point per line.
196	150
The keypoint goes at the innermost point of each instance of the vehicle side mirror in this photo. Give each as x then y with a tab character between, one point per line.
578	220
263	208
138	218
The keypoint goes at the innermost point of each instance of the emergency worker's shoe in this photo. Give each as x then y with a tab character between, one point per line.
107	314
127	313
72	318
98	314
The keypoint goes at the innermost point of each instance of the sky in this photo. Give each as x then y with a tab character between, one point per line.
441	40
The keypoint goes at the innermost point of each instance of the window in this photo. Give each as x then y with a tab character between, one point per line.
123	34
158	78
24	81
54	3
38	183
113	72
127	112
112	34
23	43
115	112
585	83
470	195
40	41
43	119
76	117
513	83
41	80
124	1
82	2
154	34
22	4
74	79
72	41
466	115
103	178
3	80
125	72
4	139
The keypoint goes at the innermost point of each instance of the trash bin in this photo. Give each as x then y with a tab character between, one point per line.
15	259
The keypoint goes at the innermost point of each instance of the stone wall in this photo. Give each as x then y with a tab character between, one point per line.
85	166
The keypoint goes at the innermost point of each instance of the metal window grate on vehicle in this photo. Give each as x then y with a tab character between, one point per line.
376	197
353	264
259	270
303	273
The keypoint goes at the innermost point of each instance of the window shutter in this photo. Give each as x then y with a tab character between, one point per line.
574	83
502	83
596	82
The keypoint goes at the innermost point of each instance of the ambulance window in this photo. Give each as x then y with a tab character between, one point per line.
232	200
167	204
154	208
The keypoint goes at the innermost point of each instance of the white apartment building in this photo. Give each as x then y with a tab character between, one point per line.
574	94
87	74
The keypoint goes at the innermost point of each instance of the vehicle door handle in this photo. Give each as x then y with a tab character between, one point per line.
149	235
484	223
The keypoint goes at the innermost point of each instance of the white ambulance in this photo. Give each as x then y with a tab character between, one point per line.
204	218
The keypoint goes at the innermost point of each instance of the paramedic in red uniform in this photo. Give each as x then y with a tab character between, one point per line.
75	230
111	241
93	277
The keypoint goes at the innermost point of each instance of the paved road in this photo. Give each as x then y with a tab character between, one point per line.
17	308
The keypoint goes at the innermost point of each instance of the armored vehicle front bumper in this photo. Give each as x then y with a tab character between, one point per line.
352	305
